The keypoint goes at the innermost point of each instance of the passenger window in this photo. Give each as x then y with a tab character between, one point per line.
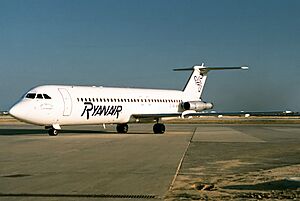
39	96
30	95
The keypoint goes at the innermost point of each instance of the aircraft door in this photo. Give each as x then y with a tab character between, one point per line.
67	101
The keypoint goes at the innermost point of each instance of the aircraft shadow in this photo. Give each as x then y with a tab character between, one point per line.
8	132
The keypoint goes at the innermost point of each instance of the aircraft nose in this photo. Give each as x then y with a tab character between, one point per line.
16	111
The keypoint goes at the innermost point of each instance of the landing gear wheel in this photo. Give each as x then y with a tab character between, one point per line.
122	128
53	132
159	128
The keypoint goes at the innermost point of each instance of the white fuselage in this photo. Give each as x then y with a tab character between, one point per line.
55	105
79	105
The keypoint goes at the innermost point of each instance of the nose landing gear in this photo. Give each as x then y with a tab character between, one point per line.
53	132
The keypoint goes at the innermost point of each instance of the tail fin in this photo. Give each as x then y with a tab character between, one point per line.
194	86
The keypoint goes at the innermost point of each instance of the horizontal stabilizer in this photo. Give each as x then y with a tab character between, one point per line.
194	86
205	68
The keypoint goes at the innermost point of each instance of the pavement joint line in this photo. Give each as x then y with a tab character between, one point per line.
182	159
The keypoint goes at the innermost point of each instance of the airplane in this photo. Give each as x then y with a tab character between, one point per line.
53	106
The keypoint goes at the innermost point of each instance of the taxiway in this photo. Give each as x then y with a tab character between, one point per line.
189	161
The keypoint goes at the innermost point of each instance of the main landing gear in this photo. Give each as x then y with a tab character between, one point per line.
122	128
159	128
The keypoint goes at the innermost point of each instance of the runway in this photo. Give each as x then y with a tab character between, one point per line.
92	163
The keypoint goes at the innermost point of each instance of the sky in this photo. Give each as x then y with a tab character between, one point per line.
137	43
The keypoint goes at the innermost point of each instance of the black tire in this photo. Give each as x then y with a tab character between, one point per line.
122	128
159	128
53	132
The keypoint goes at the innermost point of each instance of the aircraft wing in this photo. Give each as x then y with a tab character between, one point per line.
185	114
155	116
242	113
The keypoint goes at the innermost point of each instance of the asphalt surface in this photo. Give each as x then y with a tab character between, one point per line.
86	162
92	163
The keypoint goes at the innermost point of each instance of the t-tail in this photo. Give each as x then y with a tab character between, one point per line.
194	86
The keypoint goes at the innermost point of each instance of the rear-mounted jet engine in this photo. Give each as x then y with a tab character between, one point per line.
196	105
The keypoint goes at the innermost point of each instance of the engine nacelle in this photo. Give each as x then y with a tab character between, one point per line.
197	106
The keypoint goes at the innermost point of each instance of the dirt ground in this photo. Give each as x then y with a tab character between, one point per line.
272	184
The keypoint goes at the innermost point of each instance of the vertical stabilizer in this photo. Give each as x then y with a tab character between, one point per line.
194	86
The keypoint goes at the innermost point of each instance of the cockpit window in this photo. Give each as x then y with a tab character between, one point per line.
30	95
39	96
46	96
